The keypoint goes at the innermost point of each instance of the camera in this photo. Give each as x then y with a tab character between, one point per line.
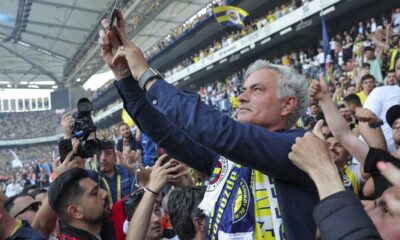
82	127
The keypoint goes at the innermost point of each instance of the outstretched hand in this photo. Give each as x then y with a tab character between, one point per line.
318	89
109	44
121	55
310	154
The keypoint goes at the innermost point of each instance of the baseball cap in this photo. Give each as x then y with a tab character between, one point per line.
392	114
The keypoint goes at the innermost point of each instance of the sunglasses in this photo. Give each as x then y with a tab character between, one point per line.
31	207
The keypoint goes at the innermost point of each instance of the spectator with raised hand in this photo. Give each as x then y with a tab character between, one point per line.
273	98
146	220
339	215
126	135
66	125
375	61
366	155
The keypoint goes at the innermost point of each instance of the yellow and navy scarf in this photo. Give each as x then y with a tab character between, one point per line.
246	205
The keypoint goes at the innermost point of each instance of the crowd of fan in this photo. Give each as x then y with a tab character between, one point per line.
181	30
233	36
24	125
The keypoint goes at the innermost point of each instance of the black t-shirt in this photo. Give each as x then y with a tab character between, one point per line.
373	157
132	143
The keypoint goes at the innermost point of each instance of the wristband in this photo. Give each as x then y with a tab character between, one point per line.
150	191
376	125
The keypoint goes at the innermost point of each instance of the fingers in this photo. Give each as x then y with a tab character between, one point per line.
322	81
105	23
180	174
68	114
108	35
390	172
160	160
122	36
119	54
317	131
120	20
368	204
68	158
392	203
75	145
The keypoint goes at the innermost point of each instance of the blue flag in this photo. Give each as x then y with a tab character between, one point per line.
325	39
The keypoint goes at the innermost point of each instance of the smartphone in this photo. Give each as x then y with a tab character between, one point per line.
160	151
117	4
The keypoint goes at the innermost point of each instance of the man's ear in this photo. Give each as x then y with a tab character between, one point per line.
75	212
288	105
198	224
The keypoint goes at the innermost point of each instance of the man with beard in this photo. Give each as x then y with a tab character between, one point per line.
126	135
350	173
82	206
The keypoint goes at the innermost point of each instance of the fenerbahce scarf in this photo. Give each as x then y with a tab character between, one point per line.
241	204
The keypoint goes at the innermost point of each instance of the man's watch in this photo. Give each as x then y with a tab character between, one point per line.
148	75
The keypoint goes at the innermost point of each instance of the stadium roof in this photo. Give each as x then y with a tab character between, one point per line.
47	42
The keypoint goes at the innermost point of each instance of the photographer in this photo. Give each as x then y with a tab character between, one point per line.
117	180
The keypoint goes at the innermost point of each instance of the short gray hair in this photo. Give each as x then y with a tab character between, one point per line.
290	83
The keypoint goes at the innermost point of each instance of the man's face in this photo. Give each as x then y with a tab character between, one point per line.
259	103
94	202
314	110
350	90
352	107
346	114
368	85
155	230
370	55
107	160
25	208
384	219
337	152
391	79
396	132
124	131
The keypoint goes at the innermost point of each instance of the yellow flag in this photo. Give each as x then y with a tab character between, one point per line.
126	118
